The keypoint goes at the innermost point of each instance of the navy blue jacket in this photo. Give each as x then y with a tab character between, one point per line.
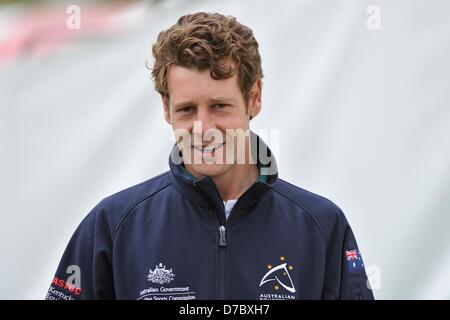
168	239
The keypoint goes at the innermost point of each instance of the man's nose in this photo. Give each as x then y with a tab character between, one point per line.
204	118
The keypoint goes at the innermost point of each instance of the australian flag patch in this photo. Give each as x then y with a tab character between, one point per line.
354	260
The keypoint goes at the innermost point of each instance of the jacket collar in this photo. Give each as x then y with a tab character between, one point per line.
204	191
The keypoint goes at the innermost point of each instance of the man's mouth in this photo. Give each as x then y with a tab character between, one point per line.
209	148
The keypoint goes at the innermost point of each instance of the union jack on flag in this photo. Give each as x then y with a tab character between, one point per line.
354	260
352	255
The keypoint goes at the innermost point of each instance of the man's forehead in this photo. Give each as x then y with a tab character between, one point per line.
191	84
179	74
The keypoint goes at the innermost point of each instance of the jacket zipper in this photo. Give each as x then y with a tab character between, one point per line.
223	253
222	261
222	240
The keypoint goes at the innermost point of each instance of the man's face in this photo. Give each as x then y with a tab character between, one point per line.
203	107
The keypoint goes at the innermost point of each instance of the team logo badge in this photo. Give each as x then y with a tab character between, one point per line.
280	276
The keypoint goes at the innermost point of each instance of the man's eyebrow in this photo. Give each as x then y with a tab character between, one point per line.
189	103
223	100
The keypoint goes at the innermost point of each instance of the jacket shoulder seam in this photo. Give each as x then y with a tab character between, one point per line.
307	213
125	214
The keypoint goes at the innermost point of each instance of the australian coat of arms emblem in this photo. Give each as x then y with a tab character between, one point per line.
160	274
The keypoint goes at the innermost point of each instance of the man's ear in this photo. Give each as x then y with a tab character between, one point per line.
166	104
255	99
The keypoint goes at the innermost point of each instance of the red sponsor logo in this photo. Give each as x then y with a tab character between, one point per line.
66	286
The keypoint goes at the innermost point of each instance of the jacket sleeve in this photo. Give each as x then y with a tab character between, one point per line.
85	270
345	274
354	284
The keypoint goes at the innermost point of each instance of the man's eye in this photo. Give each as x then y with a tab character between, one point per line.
220	105
185	109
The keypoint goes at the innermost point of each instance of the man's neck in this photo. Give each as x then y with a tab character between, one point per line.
233	183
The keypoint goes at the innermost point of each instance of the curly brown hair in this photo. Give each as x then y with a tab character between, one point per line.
208	41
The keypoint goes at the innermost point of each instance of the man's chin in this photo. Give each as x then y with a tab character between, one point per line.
212	170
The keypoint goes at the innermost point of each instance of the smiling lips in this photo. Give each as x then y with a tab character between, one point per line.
209	148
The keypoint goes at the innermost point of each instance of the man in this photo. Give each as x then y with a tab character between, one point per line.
220	224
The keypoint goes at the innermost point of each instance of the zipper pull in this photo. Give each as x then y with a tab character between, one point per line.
222	241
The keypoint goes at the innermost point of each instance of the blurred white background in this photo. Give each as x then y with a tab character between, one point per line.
359	91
